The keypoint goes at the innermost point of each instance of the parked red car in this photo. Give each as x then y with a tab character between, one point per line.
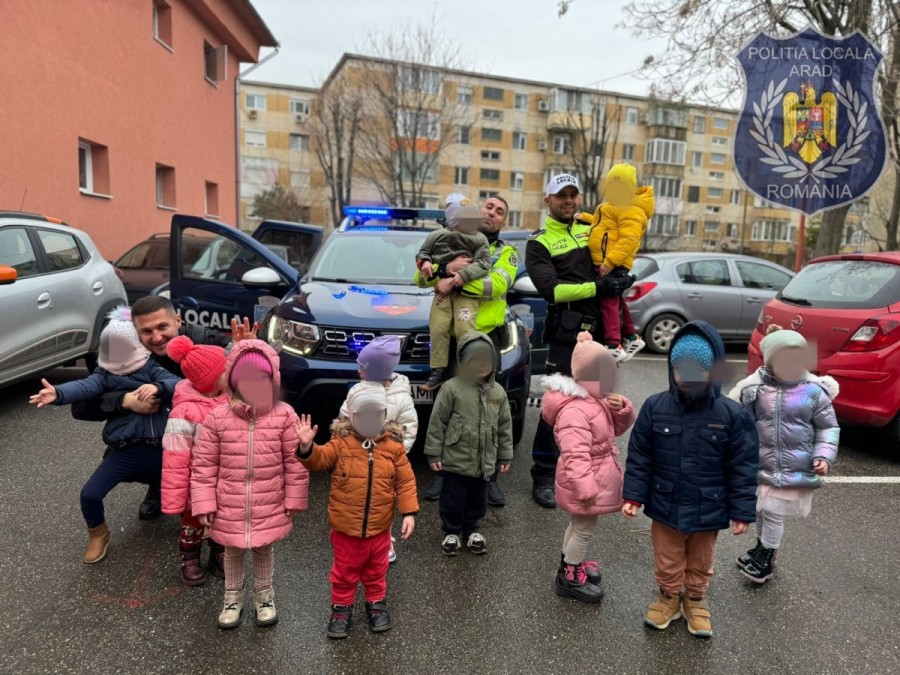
849	306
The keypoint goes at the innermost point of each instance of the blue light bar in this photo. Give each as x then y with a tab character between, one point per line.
366	211
394	212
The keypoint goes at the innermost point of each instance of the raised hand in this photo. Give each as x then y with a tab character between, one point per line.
306	432
616	402
242	331
45	396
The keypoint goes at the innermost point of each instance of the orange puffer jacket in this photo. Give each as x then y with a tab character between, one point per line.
366	482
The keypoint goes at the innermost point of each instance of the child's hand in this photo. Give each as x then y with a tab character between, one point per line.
292	512
242	331
616	402
629	510
306	432
427	269
458	280
206	519
738	527
820	467
407	527
45	396
436	466
587	503
444	287
603	270
504	468
145	392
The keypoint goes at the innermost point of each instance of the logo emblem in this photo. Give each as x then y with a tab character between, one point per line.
796	322
464	314
809	135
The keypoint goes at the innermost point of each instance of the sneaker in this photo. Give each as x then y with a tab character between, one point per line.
379	618
435	380
761	568
476	543
696	613
747	558
433	491
664	611
339	623
264	602
618	353
544	495
495	494
392	554
632	346
451	545
572	582
232	608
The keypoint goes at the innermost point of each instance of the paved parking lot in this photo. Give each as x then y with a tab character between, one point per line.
832	608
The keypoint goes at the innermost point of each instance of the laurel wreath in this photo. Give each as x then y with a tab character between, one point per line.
794	167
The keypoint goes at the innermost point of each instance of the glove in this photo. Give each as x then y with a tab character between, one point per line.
611	286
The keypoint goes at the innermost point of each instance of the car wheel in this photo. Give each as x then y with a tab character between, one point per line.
518	428
660	332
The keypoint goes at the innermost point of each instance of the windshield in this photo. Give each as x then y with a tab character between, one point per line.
844	284
375	258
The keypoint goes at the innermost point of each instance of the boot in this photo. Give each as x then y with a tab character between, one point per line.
265	607
435	380
696	613
151	507
760	569
544	495
433	491
232	608
98	542
215	564
591	569
571	582
379	619
192	573
664	611
339	624
495	494
747	558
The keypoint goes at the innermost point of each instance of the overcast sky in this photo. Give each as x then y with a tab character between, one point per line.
514	38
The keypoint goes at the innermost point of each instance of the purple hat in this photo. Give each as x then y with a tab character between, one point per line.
380	357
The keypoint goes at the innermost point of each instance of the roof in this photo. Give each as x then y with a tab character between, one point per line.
256	23
276	85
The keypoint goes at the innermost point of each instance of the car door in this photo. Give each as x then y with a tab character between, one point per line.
213	288
708	293
301	240
759	284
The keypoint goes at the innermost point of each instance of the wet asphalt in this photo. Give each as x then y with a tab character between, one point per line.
832	607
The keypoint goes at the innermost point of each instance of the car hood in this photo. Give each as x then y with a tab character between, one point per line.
373	306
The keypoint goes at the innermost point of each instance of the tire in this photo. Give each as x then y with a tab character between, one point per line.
660	331
892	430
518	429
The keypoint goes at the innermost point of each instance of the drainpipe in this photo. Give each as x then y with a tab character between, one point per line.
237	133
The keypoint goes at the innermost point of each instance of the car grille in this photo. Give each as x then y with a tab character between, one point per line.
345	343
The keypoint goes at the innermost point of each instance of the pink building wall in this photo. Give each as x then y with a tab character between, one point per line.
93	70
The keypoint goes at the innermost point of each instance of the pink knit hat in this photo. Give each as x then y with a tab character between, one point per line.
592	362
247	363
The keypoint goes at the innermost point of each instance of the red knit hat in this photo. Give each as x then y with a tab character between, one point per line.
203	365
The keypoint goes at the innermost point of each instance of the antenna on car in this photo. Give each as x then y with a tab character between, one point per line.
21	206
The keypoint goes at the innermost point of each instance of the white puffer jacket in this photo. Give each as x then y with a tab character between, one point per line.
401	408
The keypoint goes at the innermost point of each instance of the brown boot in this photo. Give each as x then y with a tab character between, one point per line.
98	542
664	611
216	563
696	613
192	572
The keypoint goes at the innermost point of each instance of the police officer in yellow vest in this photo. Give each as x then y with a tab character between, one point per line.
491	292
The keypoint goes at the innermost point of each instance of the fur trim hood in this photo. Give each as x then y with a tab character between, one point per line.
560	390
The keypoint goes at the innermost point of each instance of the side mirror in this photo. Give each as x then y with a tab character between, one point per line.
524	284
261	277
8	275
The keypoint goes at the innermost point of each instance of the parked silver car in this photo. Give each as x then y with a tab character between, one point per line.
56	292
727	290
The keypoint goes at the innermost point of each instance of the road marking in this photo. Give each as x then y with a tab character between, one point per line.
863	479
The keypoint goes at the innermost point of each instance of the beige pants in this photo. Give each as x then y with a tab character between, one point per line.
683	560
578	535
451	315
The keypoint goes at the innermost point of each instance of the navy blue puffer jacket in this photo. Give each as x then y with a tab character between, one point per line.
693	464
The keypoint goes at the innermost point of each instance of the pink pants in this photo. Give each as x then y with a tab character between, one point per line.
614	324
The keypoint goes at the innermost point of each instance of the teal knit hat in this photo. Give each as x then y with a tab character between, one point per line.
693	348
778	338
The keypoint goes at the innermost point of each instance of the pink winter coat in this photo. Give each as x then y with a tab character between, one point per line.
585	429
189	410
245	470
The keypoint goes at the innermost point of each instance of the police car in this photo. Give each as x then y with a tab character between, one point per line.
358	286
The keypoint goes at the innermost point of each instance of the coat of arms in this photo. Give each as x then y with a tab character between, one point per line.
810	128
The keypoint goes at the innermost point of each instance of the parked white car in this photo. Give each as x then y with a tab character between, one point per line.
55	292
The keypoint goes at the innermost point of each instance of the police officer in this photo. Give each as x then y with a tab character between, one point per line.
559	263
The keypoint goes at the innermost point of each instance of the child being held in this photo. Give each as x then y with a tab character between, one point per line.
370	475
798	440
453	314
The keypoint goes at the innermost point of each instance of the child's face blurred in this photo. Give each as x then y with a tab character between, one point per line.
478	366
369	422
221	383
618	193
691	378
256	390
791	363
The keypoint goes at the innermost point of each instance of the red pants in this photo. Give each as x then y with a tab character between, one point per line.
615	325
359	560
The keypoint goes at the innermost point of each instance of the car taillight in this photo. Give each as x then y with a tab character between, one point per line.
760	320
638	291
876	333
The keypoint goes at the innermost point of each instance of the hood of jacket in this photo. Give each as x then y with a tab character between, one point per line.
244	347
475	336
559	391
711	335
643	199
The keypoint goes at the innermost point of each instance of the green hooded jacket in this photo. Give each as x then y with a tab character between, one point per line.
471	427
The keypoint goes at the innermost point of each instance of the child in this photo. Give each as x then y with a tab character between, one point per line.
619	224
692	462
453	314
370	474
134	442
469	433
586	418
246	483
798	440
377	361
195	397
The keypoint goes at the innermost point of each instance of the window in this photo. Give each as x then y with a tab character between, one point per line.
732	230
772	230
735	197
855	236
696	160
254	139
570	100
713	210
720	140
300	106
63	252
520	139
211	199
464	94
631	115
720	123
17	252
162	22
665	225
706	272
461	175
165	186
418	124
717	175
667	187
561	145
493	94
255	101
760	203
710	225
690	228
661	151
418	79
93	168
462	135
423	173
215	62
717	158
693	195
517	180
490	174
714	193
491	114
628	152
487	194
757	275
491	134
299	180
699	125
515	220
490	155
223	259
521	102
299	142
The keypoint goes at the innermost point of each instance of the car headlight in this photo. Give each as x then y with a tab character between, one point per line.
298	338
511	338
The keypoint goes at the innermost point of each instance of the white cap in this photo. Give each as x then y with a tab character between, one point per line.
454	198
561	181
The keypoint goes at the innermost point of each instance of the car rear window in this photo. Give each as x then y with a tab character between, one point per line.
644	267
844	284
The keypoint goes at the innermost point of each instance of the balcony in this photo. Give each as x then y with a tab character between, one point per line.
568	120
666	121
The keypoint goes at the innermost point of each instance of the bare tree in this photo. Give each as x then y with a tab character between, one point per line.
889	80
590	130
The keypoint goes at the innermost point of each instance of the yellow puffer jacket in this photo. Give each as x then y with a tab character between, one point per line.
623	226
